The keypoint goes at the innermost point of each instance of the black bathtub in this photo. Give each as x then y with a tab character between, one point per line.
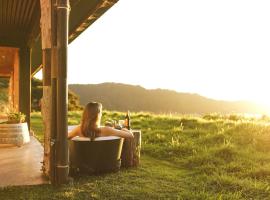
98	156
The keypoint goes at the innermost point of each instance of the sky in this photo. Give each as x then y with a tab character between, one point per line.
216	48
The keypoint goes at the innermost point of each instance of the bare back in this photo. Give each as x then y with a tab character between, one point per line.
104	131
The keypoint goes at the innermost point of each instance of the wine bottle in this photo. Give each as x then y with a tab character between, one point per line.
127	120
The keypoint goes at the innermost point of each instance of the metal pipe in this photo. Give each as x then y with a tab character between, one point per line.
54	94
62	162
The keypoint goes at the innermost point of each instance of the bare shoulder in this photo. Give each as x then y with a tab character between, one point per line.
77	128
109	131
75	132
106	131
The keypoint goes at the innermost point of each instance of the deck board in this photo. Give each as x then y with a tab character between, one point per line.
21	165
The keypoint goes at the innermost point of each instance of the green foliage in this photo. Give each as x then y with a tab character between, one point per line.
183	157
36	92
3	96
37	126
15	117
231	117
4	84
73	101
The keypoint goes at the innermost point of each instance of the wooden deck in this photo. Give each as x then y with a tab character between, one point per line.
21	165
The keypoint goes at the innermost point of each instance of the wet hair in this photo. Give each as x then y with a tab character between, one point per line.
91	120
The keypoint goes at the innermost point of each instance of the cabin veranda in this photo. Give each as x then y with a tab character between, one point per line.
35	35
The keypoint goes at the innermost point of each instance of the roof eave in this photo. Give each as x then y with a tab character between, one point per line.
94	13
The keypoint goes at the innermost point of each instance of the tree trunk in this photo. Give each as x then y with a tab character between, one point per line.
130	156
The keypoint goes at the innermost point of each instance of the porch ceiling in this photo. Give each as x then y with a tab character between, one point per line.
20	21
84	13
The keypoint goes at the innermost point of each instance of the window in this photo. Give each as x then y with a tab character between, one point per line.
4	93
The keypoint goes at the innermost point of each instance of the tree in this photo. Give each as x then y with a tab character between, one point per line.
73	99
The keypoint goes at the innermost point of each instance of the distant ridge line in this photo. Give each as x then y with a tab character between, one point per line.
122	97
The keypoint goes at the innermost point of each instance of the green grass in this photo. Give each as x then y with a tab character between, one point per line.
183	157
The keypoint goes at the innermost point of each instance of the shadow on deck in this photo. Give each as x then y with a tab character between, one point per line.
21	165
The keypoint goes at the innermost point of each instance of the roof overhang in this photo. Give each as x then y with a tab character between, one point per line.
84	13
20	22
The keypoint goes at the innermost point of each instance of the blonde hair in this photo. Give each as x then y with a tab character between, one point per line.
91	120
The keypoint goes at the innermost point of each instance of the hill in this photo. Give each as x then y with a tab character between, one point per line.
122	97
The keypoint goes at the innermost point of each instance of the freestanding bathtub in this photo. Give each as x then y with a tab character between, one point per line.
101	155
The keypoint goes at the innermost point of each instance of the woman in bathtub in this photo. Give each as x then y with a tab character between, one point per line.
90	125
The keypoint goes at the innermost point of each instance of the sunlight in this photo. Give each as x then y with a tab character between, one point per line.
195	47
38	75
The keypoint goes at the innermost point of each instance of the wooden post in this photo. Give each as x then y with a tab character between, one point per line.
130	156
16	76
25	82
54	17
46	103
62	163
46	109
46	66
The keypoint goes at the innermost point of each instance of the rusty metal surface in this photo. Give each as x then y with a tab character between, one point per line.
17	18
20	22
16	13
21	165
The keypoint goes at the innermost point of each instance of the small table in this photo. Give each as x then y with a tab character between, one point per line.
130	156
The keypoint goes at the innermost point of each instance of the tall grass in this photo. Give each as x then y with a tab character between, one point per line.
185	157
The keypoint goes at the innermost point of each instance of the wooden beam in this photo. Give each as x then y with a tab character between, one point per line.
11	42
45	22
25	82
46	63
46	110
16	80
46	103
83	15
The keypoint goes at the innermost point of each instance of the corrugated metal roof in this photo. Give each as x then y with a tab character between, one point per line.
19	22
17	18
84	13
17	13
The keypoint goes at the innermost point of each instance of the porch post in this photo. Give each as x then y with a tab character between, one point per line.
46	103
58	27
46	110
25	82
62	164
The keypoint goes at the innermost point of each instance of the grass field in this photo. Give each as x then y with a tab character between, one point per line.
183	157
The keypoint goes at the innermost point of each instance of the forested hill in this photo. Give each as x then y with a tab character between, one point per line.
122	97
